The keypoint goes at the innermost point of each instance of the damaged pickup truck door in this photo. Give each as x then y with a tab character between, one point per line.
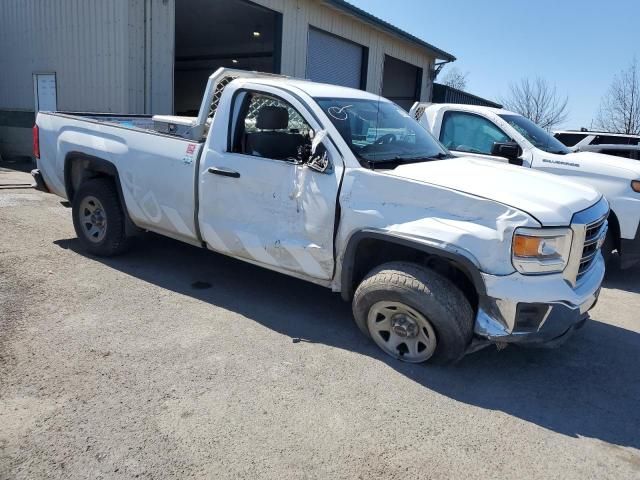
260	197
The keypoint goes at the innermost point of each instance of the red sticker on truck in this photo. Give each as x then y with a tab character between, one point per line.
191	148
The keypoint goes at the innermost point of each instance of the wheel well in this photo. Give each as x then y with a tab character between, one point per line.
79	167
614	226
372	252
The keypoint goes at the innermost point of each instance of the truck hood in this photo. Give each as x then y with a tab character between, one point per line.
550	199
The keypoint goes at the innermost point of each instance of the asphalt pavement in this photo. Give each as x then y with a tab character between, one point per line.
175	362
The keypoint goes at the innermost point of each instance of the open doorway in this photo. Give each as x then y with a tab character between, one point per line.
401	82
224	33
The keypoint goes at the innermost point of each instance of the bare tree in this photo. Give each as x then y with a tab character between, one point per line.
455	79
620	107
537	100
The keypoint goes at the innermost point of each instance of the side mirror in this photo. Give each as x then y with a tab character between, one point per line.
316	155
509	150
319	159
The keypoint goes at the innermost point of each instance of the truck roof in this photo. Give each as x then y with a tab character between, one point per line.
610	146
472	108
597	132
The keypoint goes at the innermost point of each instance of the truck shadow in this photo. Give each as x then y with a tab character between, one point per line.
18	164
588	388
627	280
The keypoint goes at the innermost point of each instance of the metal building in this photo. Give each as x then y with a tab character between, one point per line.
446	94
154	56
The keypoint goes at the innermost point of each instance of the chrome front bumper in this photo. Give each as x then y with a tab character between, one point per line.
536	309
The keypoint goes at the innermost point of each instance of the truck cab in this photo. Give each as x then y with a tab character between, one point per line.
509	138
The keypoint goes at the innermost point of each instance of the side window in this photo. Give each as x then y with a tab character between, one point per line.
466	132
619	153
570	139
611	140
271	128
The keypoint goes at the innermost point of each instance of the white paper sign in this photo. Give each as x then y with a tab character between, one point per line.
45	92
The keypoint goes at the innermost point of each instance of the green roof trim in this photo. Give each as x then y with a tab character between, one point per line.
378	22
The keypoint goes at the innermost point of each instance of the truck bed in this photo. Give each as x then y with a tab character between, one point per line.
157	171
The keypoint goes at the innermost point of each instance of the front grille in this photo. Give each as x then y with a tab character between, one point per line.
589	227
593	233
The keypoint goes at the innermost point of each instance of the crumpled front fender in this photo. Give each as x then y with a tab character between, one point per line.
431	215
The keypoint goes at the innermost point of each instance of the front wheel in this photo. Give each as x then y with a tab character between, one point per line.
414	314
98	218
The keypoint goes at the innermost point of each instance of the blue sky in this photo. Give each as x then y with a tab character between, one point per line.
577	45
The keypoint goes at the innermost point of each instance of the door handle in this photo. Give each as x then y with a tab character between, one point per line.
224	172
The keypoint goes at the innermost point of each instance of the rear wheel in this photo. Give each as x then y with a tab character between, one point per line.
98	218
414	314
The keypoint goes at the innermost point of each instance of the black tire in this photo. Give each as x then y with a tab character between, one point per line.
114	241
434	296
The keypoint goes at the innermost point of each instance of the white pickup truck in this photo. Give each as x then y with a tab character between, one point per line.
440	255
497	134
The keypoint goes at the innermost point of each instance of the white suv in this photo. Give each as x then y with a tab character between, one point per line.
576	140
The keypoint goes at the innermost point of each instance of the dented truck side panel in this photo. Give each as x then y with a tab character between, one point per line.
276	213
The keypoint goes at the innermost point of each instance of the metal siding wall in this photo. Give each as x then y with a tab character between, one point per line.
96	48
135	46
85	42
162	55
299	14
445	94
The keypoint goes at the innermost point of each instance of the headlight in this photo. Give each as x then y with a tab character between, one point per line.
635	185
541	250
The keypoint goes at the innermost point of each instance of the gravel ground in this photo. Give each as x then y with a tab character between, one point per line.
174	362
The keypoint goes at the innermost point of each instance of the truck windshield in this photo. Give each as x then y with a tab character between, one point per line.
380	132
539	137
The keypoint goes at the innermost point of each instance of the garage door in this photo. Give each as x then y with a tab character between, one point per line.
331	59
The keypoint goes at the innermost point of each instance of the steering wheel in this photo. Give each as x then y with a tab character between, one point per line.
386	139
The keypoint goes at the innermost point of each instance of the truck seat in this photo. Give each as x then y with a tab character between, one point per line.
274	140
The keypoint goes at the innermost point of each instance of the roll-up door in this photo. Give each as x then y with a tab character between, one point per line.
331	59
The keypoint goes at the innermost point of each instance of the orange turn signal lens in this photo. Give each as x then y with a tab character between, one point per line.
525	246
635	185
